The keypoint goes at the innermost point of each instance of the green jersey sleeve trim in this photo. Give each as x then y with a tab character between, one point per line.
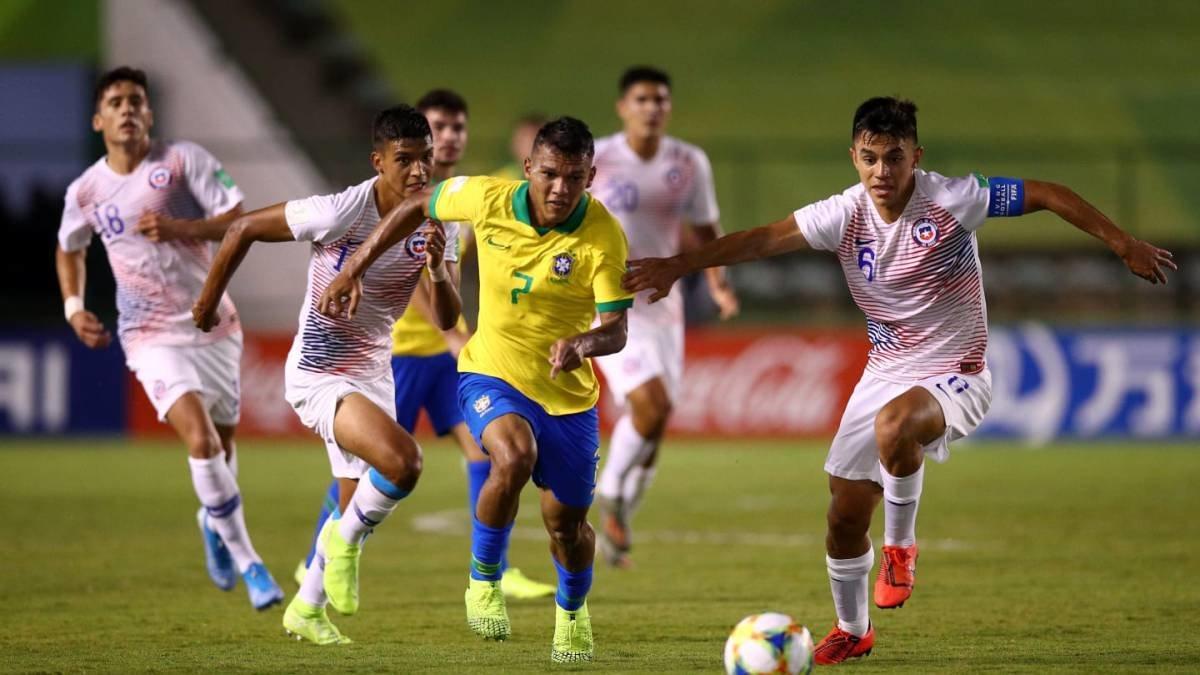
614	305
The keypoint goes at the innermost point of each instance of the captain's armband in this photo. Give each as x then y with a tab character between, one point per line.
1006	197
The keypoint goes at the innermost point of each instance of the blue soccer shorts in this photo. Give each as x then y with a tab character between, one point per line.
428	382
568	446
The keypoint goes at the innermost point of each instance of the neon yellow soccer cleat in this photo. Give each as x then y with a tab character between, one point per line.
520	587
487	615
341	569
300	573
306	622
572	635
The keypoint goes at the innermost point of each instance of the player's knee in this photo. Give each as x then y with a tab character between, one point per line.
570	535
513	460
203	444
845	525
402	466
895	435
650	418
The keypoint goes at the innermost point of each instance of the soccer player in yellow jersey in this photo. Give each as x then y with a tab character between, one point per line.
550	259
424	357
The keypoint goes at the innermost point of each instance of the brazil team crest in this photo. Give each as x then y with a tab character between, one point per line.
160	178
925	232
563	264
483	404
415	245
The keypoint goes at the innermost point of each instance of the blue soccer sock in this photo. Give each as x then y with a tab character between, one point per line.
488	545
477	473
573	587
328	508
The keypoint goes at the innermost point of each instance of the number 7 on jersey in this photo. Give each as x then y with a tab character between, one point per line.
517	292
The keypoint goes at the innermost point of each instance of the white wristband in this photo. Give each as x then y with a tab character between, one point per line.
439	274
72	305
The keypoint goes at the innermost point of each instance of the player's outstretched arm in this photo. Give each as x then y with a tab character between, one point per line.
608	338
660	274
72	275
266	224
344	291
157	227
444	302
719	288
1142	258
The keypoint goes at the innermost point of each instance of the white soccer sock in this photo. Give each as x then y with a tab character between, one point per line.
849	579
218	492
627	449
901	496
367	508
636	483
312	588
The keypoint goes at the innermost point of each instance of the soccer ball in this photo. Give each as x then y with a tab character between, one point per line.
768	643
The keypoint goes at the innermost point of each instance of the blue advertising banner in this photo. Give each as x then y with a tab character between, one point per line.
51	384
1089	383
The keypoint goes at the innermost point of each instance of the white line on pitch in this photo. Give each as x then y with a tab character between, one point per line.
454	522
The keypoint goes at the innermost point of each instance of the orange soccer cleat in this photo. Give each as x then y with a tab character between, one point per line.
894	584
840	645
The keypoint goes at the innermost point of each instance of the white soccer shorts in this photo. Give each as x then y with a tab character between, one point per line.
315	398
167	372
651	350
854	454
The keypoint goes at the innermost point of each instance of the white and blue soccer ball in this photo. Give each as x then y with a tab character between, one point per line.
768	643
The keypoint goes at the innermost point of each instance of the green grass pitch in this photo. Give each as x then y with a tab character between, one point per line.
1077	558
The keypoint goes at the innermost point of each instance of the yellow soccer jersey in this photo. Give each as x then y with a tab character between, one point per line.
414	335
536	285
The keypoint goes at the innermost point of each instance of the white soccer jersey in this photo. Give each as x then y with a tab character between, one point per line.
336	225
918	279
652	199
156	282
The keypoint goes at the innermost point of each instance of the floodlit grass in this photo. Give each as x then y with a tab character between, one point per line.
1074	558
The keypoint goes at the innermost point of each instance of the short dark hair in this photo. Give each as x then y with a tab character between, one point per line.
567	136
121	74
643	74
442	99
886	116
395	123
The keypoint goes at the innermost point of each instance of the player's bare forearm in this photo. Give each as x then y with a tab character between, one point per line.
782	236
719	288
72	275
71	267
660	274
705	234
213	229
608	338
444	300
1063	202
397	224
266	224
1142	258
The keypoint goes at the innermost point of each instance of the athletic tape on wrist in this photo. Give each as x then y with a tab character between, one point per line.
72	305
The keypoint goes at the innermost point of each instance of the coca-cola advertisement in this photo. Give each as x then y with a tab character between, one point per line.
776	382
